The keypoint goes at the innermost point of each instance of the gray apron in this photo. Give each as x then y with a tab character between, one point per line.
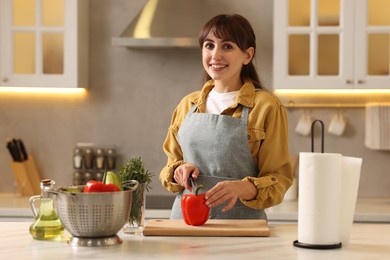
218	146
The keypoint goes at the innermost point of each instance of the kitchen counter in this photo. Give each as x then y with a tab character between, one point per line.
368	241
14	207
367	210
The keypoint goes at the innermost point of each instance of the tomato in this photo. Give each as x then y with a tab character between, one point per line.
94	186
112	187
97	186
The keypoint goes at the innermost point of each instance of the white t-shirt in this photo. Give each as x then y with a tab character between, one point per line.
216	102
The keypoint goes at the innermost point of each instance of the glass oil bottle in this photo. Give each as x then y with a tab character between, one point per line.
47	225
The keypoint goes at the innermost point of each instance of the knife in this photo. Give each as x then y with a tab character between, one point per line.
192	184
22	150
19	156
12	148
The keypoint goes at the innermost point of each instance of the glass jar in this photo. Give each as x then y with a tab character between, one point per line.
77	158
111	159
136	221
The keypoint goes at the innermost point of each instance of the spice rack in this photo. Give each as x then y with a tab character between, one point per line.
90	162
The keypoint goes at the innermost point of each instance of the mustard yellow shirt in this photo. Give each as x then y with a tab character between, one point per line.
267	140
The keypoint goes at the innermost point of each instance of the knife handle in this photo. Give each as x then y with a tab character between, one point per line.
13	151
22	150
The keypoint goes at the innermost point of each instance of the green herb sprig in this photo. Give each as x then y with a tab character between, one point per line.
134	169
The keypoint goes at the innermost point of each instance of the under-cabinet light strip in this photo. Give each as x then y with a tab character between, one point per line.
324	105
42	90
337	98
332	91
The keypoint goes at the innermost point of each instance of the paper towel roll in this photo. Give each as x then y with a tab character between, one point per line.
328	188
319	197
292	192
350	181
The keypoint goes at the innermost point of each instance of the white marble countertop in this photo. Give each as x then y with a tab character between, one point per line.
14	207
368	241
367	210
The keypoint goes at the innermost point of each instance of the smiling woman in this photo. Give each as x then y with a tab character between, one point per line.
232	135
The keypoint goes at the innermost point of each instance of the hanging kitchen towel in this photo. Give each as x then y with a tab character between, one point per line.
377	134
328	187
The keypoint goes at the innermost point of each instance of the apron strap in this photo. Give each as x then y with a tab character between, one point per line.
244	115
193	108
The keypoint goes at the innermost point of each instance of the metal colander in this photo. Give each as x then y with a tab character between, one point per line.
95	214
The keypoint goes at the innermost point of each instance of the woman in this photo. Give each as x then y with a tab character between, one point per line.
232	135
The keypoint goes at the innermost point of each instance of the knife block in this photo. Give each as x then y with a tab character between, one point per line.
27	177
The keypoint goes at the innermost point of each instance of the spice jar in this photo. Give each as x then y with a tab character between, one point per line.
88	158
111	159
77	158
99	159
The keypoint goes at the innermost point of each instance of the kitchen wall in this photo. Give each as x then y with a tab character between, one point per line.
132	94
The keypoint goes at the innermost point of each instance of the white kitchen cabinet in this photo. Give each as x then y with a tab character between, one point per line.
44	43
331	44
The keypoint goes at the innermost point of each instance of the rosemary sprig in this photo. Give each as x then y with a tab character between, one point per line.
134	169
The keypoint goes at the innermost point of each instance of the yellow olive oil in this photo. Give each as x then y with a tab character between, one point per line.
47	232
47	225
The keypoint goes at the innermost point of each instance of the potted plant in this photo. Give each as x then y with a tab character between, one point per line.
134	169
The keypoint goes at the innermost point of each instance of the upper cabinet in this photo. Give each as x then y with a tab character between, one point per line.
331	44
44	43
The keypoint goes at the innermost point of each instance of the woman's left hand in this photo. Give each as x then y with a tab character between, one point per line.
230	191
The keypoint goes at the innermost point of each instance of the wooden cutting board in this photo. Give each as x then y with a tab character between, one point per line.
213	227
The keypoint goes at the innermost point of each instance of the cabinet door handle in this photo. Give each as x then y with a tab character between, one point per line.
360	81
349	81
5	79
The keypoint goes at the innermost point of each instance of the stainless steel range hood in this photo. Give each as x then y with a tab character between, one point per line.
166	24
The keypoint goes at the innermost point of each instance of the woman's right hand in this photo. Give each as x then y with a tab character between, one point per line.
183	172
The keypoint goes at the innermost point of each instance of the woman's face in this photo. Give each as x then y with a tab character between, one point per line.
223	59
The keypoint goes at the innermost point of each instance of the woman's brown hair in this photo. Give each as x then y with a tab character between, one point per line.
237	29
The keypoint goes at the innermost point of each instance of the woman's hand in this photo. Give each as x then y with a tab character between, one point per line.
183	172
230	191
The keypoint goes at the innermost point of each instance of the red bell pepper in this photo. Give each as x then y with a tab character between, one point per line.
194	209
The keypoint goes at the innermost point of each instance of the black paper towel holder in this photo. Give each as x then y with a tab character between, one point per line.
296	243
322	135
316	246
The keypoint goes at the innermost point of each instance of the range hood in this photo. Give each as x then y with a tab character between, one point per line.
166	24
